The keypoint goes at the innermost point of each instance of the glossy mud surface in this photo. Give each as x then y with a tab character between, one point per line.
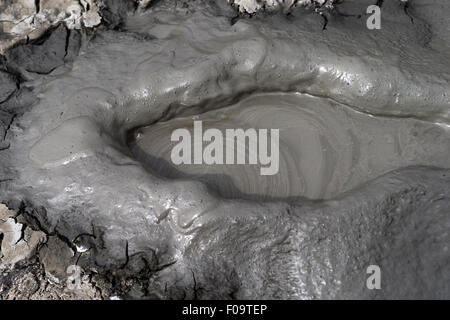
364	150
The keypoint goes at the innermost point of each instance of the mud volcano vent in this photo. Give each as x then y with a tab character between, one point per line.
217	150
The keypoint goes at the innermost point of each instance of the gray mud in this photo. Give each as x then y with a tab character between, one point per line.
365	148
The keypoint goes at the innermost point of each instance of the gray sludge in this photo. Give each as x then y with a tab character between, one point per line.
375	109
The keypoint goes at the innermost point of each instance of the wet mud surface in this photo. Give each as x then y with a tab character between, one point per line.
86	116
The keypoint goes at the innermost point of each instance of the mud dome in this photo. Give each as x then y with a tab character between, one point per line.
364	156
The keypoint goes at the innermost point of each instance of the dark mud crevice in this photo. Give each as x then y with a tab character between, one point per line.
9	126
10	89
55	48
114	12
1	240
35	219
37	4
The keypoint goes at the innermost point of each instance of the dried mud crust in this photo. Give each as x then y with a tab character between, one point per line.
254	6
29	282
22	274
36	265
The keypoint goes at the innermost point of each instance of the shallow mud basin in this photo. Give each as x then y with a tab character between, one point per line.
324	148
186	150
